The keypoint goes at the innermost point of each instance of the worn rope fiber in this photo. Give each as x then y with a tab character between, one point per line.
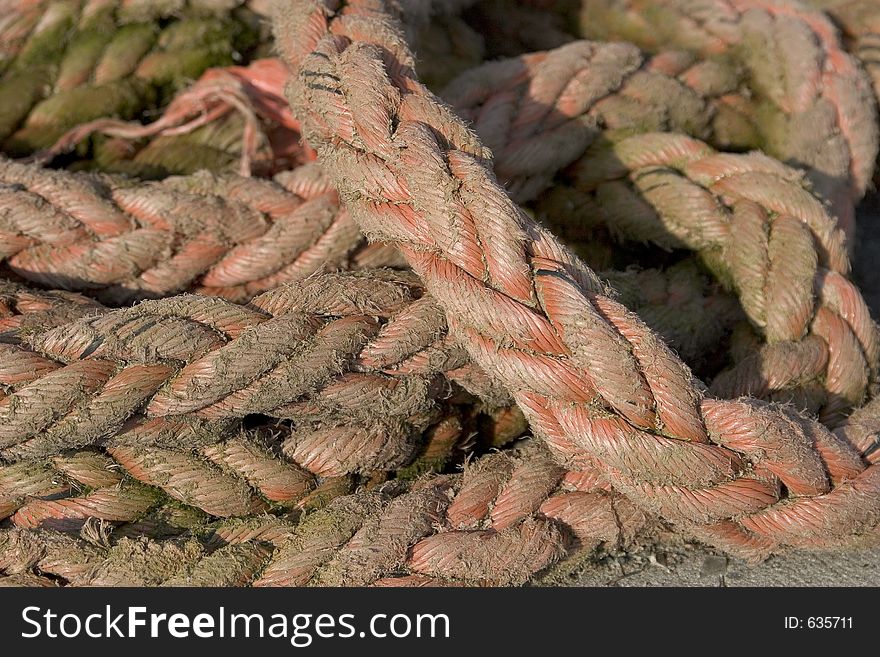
252	92
65	62
507	517
236	237
593	380
358	353
495	494
233	236
378	363
797	66
867	448
222	473
763	233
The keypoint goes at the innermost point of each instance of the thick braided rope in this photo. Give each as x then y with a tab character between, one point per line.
219	471
593	380
229	236
65	62
495	493
796	63
361	374
538	113
237	237
753	222
359	355
507	517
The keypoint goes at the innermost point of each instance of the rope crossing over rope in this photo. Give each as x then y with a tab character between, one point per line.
747	477
298	378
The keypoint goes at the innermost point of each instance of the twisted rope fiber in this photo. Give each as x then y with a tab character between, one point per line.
742	475
860	22
540	111
797	65
224	473
65	62
235	237
230	236
754	224
181	456
507	517
368	369
253	93
494	495
359	355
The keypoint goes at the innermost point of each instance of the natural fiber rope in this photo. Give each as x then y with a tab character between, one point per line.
235	237
378	363
231	236
754	224
254	92
796	63
506	518
747	477
221	472
359	353
65	62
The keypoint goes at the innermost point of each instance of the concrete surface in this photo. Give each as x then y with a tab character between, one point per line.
666	563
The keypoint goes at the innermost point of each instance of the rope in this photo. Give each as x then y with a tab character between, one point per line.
756	226
860	23
507	517
359	355
230	236
747	477
66	62
222	472
797	67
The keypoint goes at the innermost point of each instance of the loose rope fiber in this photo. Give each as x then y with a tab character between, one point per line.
248	99
530	314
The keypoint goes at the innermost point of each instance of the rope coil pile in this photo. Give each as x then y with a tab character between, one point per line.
318	378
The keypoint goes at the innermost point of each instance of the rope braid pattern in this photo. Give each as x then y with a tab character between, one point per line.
539	112
796	64
359	355
222	473
376	365
744	476
212	466
66	62
228	236
236	237
755	225
507	517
